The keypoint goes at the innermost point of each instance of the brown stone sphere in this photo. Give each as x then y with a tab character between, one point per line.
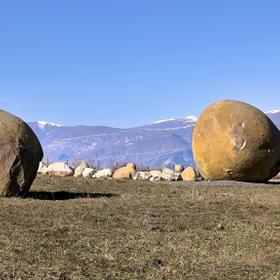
233	140
20	155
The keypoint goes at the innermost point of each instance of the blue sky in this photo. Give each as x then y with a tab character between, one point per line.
125	63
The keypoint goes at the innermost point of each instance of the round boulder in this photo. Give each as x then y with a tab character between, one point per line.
189	174
233	140
20	155
127	172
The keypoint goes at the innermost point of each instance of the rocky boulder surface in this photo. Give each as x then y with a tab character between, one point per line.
189	174
233	140
20	155
60	169
142	175
43	168
79	170
127	172
155	175
104	173
88	172
170	175
179	168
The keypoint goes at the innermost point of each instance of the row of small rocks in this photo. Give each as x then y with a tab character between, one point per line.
127	172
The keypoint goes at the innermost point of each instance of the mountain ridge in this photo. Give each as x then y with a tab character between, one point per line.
160	143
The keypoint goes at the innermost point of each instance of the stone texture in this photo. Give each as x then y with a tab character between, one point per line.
142	175
88	172
79	170
236	141
60	169
189	174
104	173
131	165
155	175
43	169
179	168
126	172
20	155
170	175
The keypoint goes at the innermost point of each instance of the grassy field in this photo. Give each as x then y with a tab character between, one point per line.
85	229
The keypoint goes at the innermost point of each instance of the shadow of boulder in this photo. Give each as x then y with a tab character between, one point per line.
62	195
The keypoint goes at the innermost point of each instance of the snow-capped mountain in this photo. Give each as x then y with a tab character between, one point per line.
274	115
157	144
189	119
44	124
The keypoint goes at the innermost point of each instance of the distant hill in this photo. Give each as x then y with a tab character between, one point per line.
161	143
274	115
154	145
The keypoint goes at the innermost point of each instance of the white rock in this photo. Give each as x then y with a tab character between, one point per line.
88	172
43	168
142	175
60	169
155	175
155	179
170	175
104	173
79	170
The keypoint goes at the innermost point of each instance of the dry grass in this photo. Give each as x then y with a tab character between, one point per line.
139	230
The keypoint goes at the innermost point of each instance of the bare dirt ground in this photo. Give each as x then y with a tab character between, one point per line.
69	228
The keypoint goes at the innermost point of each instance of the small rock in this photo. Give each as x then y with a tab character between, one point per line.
158	264
88	172
126	172
79	170
155	175
220	227
104	173
60	169
43	169
142	175
170	175
179	168
189	174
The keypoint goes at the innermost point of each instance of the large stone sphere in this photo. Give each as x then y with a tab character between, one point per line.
233	140
20	155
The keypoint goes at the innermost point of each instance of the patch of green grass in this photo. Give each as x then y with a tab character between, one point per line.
140	230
